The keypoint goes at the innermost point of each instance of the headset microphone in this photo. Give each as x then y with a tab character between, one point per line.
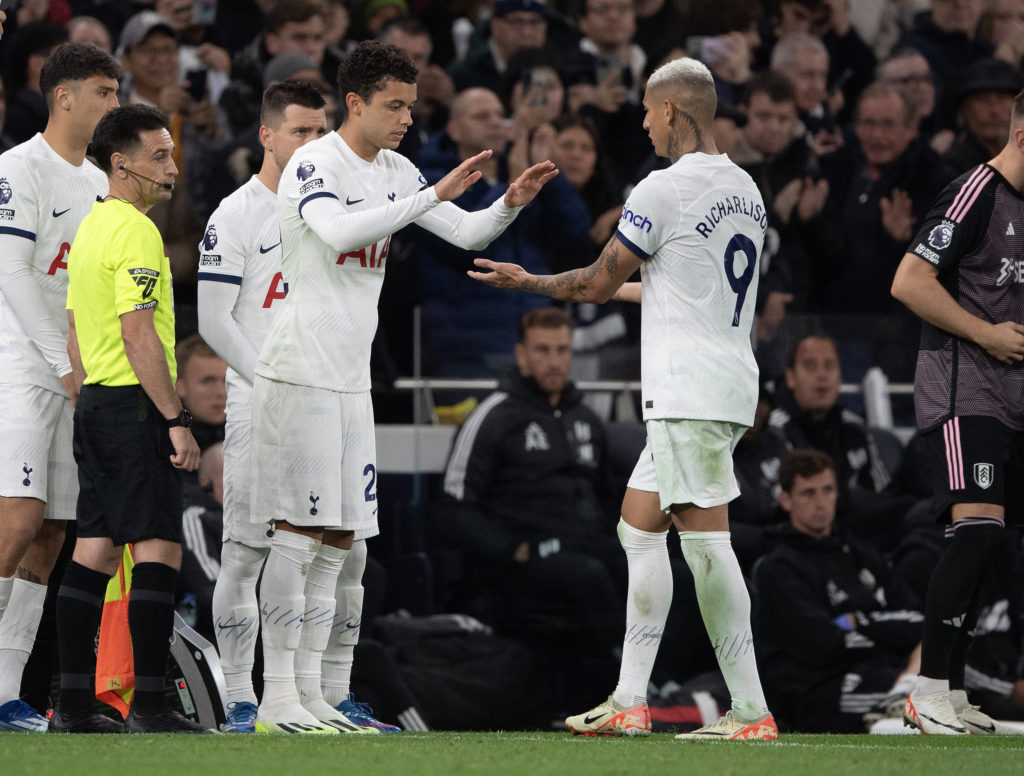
167	186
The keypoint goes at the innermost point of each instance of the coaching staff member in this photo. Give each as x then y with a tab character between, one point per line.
132	436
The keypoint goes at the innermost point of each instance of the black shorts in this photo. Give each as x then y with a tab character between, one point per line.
976	460
128	488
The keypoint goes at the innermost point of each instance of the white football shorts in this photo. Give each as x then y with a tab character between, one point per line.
36	458
314	458
689	462
237	461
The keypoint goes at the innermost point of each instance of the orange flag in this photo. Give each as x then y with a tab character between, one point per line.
115	668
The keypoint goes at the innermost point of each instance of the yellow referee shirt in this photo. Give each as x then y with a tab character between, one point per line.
117	265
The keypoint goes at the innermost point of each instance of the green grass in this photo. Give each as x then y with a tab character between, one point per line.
492	754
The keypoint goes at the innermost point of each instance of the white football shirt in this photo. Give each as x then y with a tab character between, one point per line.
242	247
322	336
699	228
43	198
337	213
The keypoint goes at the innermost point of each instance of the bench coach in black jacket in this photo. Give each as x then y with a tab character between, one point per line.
526	492
838	628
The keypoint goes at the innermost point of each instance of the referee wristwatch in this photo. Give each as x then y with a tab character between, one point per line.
183	419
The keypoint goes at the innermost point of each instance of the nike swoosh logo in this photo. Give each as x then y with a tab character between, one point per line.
353	201
58	215
268	250
940	723
987	728
589	720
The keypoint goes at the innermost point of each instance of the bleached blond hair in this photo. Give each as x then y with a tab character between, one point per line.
689	83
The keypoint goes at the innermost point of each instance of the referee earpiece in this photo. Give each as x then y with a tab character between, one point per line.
120	166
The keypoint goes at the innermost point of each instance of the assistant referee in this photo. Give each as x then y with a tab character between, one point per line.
131	433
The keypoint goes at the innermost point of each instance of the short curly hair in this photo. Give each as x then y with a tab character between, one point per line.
368	67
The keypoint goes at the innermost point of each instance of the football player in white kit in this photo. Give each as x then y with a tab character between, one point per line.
241	288
695	230
314	461
46	188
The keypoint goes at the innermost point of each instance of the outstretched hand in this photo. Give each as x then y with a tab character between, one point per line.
502	274
523	189
452	185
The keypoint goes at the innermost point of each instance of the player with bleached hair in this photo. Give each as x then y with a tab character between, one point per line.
695	231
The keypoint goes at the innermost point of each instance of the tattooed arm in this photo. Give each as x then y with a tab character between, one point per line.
595	283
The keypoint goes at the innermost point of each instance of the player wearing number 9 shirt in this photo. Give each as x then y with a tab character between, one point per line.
695	231
47	187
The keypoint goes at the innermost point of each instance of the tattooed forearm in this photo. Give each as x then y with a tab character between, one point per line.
577	285
27	575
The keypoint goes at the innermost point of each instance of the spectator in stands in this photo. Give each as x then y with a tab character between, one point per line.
470	329
723	34
148	50
290	27
617	67
608	27
90	30
657	26
947	36
881	188
983	95
839	629
199	54
434	87
201	388
27	50
804	60
907	68
515	24
1002	24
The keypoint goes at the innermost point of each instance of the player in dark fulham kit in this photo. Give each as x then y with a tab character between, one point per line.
964	275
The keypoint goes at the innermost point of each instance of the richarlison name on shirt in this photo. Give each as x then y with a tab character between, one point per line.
728	206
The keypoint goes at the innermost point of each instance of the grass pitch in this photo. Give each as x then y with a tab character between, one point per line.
493	754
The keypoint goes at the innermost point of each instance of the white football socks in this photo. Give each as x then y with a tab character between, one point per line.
18	627
236	618
647	604
317	620
336	665
725	607
282	603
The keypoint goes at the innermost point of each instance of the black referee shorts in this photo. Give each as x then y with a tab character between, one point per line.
976	460
128	488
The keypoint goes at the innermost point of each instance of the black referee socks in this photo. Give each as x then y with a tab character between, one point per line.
970	551
151	621
79	608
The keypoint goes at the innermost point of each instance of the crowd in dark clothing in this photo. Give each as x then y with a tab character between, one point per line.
850	117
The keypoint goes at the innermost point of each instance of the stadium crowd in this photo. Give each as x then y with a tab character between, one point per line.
851	118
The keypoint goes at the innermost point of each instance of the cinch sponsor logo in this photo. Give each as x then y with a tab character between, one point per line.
636	219
1011	270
